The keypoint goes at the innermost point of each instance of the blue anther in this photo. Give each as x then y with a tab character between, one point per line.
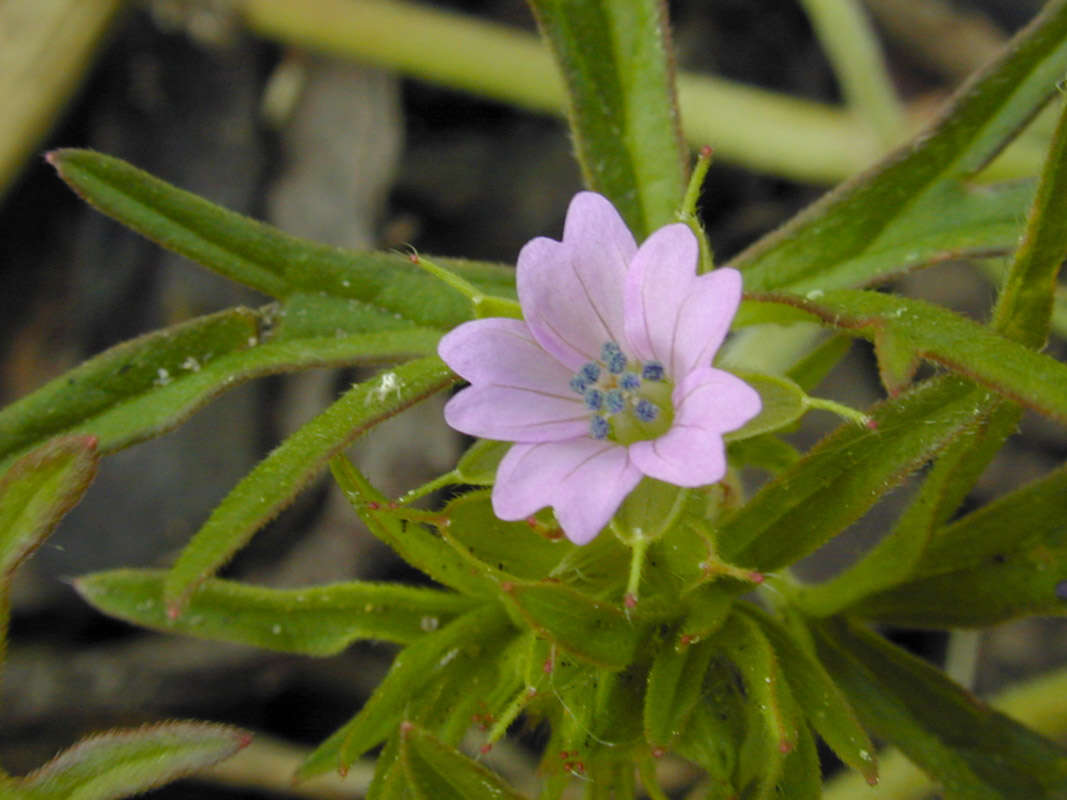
599	428
594	399
614	401
590	371
646	411
629	381
652	371
611	354
579	384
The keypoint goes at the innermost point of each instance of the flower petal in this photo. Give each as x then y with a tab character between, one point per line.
704	319
502	352
571	292
516	415
715	400
708	403
660	278
584	480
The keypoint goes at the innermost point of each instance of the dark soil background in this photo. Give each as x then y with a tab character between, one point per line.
361	159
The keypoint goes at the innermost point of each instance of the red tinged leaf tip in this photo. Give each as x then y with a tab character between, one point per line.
485	748
173	612
630	601
756	577
507	586
706	151
872	780
685	640
244	740
872	423
658	752
785	746
406	727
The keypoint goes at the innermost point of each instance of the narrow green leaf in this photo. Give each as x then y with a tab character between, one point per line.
414	543
121	376
913	208
478	465
715	729
275	481
801	774
436	771
675	685
825	707
263	257
844	474
783	404
1024	307
1033	379
509	550
591	630
766	452
706	609
895	558
35	494
1005	560
974	751
123	763
616	62
316	620
772	720
415	667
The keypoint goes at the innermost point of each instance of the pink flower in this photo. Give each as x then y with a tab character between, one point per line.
609	378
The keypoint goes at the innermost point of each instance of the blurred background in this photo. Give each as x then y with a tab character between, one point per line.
357	156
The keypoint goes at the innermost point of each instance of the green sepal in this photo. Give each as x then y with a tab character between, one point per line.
477	466
675	686
783	403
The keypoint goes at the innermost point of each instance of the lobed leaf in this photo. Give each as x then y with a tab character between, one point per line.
123	763
616	63
271	486
974	751
1005	560
844	474
263	257
315	620
914	207
414	668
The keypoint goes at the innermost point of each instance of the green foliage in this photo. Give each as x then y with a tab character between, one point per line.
974	751
616	61
275	481
525	625
124	763
316	620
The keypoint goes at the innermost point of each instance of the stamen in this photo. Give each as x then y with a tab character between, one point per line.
629	381
599	428
590	371
645	410
594	399
611	354
614	401
579	384
652	371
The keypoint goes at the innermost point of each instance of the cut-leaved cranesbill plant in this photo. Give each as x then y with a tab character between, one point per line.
602	574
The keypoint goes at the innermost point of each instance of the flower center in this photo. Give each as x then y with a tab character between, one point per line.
629	400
